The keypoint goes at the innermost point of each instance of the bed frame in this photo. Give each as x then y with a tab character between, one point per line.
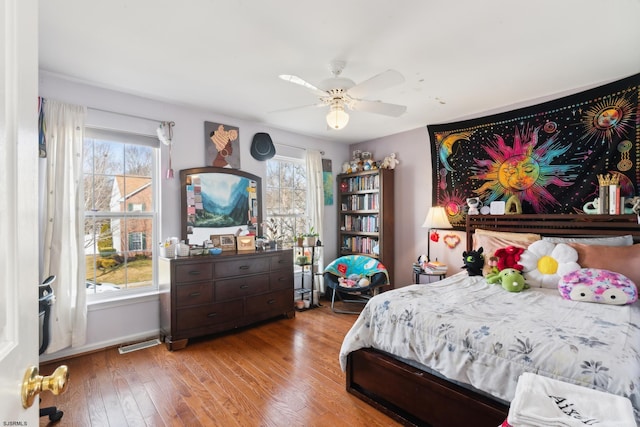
416	398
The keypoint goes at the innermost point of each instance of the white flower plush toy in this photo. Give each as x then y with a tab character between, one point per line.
544	263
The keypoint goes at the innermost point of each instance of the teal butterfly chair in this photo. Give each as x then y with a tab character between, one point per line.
354	266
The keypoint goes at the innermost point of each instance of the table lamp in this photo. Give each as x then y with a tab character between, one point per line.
436	219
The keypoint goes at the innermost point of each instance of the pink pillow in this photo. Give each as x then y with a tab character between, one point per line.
621	259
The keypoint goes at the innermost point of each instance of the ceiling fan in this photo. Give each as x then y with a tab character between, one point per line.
339	94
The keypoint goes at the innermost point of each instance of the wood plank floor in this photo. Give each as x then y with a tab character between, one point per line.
279	373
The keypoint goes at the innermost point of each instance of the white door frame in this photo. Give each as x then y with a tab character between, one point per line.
19	325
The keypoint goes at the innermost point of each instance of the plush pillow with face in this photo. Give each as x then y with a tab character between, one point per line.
599	286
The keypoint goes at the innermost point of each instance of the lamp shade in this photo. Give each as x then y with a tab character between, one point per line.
337	118
437	218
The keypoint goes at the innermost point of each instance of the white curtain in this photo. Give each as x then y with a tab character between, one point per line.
64	254
315	198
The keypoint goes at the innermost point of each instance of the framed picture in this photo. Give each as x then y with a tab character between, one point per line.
222	145
226	242
246	243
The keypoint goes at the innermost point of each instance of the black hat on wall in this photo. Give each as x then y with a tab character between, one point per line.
262	147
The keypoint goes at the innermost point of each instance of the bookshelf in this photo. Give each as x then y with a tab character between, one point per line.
366	216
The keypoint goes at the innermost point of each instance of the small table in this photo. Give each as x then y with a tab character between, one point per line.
417	273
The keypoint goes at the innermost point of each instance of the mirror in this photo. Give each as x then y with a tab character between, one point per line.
218	201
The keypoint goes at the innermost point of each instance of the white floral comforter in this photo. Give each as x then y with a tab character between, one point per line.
482	335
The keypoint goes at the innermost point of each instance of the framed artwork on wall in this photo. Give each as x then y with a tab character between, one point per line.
222	145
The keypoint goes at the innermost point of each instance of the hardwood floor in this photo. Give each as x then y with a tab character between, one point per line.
280	373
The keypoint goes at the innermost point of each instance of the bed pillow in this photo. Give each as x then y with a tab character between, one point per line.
606	241
491	241
544	263
596	285
620	259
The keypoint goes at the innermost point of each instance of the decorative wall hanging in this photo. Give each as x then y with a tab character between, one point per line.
547	155
165	135
451	240
222	145
327	181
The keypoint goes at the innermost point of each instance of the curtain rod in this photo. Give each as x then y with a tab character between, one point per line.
126	114
157	120
293	146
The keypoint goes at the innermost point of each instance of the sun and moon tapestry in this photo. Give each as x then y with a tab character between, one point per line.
548	156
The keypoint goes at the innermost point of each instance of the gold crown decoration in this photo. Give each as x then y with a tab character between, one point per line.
609	179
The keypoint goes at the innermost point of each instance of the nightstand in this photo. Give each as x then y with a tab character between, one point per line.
417	273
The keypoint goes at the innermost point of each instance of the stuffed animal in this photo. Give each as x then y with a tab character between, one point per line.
474	204
349	282
511	279
473	261
390	162
508	258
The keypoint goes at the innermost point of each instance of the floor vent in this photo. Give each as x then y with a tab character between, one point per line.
138	346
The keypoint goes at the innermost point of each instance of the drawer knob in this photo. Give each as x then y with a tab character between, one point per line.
245	286
271	301
212	314
194	294
244	267
194	272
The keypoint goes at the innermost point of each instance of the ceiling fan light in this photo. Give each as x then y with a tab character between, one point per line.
337	118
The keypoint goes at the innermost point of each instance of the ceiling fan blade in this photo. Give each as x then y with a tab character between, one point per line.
300	107
377	107
297	80
381	81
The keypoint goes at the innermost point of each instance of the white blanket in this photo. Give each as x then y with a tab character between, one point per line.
481	335
542	401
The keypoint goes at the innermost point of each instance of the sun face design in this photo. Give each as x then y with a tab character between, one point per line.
453	204
524	169
607	119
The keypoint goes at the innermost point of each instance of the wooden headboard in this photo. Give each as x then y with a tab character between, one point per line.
556	225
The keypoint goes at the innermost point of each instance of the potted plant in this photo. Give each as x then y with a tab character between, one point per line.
271	231
300	240
310	237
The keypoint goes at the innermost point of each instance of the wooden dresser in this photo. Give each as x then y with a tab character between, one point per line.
207	294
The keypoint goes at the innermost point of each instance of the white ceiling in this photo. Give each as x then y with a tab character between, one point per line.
459	57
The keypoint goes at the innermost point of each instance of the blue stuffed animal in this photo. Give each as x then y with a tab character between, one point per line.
473	261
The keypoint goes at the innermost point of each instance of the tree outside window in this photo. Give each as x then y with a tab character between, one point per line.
286	193
119	213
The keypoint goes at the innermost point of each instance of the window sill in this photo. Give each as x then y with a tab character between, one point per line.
125	298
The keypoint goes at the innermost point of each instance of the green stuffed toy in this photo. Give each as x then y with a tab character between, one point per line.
511	279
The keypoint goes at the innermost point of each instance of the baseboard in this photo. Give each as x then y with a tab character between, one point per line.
68	353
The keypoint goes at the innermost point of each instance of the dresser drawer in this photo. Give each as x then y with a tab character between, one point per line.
193	272
240	267
278	301
241	287
193	294
282	262
281	279
197	317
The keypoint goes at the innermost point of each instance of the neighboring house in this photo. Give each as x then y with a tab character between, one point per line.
131	194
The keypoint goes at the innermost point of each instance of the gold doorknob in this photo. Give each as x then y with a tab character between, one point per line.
34	383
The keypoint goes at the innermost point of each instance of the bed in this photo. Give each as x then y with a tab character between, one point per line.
453	352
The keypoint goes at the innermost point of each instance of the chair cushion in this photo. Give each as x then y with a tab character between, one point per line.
356	265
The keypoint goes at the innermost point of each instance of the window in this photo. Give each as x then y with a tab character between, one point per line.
286	197
120	214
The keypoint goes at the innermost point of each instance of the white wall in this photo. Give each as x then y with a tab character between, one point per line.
112	323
